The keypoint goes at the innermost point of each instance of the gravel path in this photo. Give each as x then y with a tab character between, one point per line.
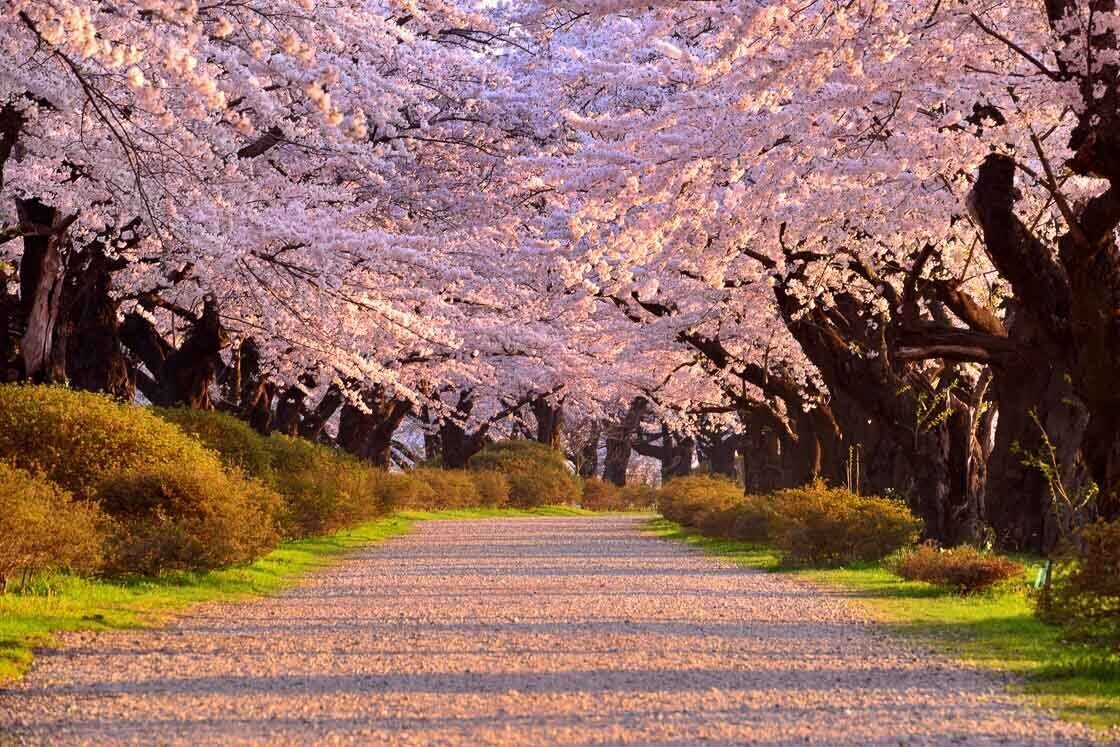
518	631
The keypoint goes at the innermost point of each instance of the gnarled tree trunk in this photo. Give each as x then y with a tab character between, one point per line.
619	436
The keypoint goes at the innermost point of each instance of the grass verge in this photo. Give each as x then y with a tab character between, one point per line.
994	630
59	602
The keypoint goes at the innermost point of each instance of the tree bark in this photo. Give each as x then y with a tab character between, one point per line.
42	272
550	420
183	376
256	391
367	432
90	330
291	406
588	456
717	447
618	442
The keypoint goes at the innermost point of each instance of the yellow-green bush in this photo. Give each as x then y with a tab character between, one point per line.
324	489
493	487
1084	592
78	439
167	518
537	474
401	490
821	526
43	528
172	503
748	520
447	488
600	495
688	500
238	445
638	495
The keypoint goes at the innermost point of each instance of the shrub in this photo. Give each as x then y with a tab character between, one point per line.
43	528
78	439
238	445
324	489
448	488
600	495
402	490
537	474
747	520
965	569
167	518
172	503
1084	592
688	500
493	487
819	525
638	495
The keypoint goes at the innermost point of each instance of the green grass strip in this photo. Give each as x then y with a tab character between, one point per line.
60	602
994	630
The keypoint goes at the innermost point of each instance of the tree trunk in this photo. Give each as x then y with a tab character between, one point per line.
433	445
11	367
94	360
367	432
677	453
291	407
256	391
316	421
189	372
588	456
11	125
41	273
618	444
1030	397
550	419
717	449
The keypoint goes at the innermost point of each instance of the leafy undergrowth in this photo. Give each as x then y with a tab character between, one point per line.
59	602
995	630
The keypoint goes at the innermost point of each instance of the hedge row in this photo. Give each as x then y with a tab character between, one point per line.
813	525
94	486
821	526
600	495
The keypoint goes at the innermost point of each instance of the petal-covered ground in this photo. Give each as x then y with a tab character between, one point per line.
519	631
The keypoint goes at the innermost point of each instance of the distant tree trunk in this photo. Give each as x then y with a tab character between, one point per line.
456	443
42	272
256	391
11	368
589	452
679	452
550	420
762	457
433	446
291	406
453	445
183	376
619	437
316	421
367	432
190	371
12	121
718	450
90	330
